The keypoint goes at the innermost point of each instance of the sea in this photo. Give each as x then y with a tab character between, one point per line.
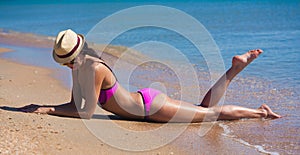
231	27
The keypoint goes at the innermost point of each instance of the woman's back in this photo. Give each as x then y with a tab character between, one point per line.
91	72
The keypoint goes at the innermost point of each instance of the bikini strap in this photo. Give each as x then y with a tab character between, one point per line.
102	62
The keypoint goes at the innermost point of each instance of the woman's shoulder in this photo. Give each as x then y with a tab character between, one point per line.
95	65
90	62
89	58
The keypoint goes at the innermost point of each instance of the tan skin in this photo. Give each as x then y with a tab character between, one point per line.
163	109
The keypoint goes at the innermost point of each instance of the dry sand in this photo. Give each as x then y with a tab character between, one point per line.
24	133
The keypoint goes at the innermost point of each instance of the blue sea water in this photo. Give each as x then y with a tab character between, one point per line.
236	27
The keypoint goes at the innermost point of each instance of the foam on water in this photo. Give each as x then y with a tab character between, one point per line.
229	133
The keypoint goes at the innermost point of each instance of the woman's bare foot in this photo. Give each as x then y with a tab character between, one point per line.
269	112
241	61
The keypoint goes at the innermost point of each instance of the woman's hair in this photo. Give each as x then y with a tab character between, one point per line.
86	50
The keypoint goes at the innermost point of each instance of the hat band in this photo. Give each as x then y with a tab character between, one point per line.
72	51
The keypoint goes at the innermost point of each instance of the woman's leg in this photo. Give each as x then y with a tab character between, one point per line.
165	109
239	62
231	112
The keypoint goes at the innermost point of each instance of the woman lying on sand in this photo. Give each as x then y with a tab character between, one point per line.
102	88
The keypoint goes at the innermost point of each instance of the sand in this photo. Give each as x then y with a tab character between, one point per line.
24	133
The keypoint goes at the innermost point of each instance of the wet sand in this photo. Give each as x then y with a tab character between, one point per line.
23	133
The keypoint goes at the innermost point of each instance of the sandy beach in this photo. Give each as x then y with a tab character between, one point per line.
152	54
24	133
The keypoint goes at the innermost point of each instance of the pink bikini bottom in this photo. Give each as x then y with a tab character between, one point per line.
148	95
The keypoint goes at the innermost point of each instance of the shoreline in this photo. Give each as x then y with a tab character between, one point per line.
40	133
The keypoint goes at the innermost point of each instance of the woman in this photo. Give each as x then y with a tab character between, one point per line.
101	87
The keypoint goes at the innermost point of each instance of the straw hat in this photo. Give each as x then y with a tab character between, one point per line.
67	46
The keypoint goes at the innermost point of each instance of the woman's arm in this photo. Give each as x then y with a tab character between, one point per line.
67	109
91	85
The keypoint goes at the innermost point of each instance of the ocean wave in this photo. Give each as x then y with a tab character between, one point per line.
229	133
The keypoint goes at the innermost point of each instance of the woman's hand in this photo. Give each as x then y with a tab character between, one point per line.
67	109
33	108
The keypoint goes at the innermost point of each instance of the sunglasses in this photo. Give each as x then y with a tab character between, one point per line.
71	63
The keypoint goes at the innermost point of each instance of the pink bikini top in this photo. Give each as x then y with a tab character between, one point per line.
106	94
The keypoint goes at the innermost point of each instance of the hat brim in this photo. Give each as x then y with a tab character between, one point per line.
73	56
